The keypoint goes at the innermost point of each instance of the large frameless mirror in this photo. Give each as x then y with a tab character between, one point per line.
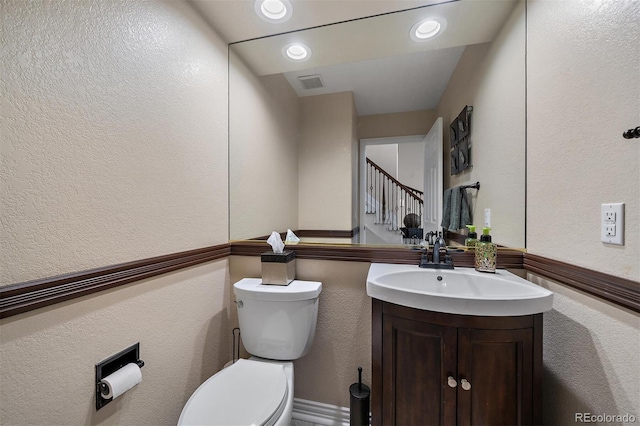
315	115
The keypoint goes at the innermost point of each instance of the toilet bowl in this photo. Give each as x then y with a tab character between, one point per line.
249	392
277	325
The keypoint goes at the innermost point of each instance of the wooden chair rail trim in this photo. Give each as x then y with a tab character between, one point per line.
618	290
27	296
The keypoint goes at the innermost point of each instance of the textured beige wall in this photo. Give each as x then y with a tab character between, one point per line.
114	120
49	355
591	357
325	163
114	148
343	335
491	78
583	91
396	124
264	120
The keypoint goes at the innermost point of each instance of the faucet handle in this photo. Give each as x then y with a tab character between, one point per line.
424	257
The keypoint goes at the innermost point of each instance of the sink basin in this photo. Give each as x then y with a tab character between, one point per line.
462	291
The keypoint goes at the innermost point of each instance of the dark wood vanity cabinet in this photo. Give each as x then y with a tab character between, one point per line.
431	368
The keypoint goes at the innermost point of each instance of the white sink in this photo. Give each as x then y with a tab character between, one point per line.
459	291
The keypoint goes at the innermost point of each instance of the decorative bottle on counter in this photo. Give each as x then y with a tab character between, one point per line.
472	237
486	252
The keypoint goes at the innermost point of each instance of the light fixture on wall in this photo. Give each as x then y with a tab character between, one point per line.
297	52
427	29
276	11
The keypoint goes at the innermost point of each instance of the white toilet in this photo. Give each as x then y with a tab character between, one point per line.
277	324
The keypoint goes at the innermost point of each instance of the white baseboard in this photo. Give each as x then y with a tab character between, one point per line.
319	413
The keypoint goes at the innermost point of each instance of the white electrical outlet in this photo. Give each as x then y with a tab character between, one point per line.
487	217
612	223
610	230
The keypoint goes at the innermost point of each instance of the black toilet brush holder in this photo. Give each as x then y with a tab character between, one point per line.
359	405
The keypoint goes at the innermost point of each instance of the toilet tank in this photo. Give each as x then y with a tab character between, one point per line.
277	322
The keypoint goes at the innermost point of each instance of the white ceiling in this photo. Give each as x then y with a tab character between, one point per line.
390	84
374	58
236	20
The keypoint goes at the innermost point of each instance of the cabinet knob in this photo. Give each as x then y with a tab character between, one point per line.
452	382
465	384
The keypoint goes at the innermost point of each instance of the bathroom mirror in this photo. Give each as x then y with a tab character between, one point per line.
299	129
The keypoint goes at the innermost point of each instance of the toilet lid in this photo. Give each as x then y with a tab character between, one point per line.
246	393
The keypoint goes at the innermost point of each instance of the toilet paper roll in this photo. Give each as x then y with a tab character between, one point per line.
121	381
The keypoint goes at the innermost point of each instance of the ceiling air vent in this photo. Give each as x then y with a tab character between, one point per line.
311	81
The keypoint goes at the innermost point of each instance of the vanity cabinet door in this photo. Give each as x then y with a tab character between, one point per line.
498	368
417	359
495	365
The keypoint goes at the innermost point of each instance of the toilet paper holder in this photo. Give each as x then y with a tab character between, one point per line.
112	364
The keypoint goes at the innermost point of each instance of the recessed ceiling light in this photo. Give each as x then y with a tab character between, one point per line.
296	52
428	29
273	10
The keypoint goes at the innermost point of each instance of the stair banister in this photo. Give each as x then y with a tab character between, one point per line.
389	199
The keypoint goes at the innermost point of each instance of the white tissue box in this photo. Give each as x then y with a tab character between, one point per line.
278	268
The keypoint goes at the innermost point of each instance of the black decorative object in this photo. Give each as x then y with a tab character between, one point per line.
464	154
460	139
632	133
454	160
453	132
463	123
